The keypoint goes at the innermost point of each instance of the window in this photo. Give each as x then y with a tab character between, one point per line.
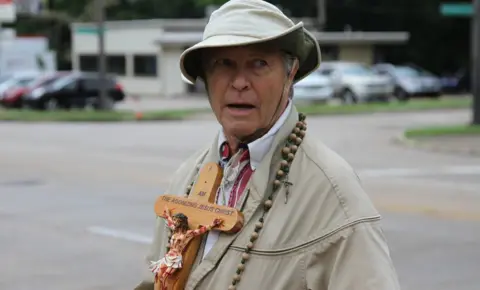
71	86
381	72
88	63
326	72
116	64
63	82
24	81
145	65
90	84
357	70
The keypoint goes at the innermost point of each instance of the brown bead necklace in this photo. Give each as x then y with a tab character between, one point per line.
288	153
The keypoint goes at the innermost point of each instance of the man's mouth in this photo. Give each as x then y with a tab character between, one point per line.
241	106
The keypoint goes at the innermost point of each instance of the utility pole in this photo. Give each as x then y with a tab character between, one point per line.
104	102
321	13
476	62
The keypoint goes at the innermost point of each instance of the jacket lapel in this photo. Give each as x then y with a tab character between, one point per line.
257	190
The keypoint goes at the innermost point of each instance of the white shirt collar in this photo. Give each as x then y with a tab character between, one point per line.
259	148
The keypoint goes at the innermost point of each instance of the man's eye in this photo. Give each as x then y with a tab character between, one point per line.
223	62
259	63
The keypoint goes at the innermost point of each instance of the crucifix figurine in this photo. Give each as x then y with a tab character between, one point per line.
181	237
189	218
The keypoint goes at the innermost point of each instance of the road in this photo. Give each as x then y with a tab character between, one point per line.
76	208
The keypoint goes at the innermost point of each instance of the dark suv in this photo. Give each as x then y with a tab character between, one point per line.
74	90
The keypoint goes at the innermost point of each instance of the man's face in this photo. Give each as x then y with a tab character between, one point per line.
246	87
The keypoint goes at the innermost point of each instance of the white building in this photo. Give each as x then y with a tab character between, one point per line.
144	54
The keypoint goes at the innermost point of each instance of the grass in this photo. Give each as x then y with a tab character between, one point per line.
457	130
92	116
314	109
412	105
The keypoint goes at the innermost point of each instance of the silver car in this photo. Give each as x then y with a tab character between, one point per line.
313	88
410	81
355	83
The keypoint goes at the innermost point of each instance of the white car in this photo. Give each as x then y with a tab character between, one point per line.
313	88
355	83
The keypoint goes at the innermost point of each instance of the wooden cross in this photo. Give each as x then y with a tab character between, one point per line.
201	210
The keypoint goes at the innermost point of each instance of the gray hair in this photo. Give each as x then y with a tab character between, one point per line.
288	61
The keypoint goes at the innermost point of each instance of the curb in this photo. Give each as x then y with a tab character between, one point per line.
437	148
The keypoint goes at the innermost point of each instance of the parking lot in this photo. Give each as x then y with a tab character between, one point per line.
77	199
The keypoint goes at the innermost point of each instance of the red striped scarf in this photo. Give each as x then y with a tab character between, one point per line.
244	175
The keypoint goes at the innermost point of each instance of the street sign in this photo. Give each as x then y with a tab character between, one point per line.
457	9
7	11
87	30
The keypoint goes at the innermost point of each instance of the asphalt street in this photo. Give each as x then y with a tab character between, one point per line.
76	200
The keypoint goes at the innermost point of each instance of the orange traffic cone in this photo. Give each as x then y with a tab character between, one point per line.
138	110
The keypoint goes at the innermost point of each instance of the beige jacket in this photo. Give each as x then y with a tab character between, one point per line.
327	236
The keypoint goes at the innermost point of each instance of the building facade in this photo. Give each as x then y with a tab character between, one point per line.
144	54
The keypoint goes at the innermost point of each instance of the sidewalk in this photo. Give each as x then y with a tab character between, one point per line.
465	145
179	103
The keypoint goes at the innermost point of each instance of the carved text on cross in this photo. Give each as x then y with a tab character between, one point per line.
200	213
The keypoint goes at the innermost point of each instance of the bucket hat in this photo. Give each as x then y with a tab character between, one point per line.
245	22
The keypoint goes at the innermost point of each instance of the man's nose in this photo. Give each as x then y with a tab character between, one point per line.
240	82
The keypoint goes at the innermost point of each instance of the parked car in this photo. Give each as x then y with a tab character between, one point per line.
410	81
12	82
354	82
75	90
459	82
13	97
315	87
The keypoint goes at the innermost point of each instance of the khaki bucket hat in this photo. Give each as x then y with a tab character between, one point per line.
245	22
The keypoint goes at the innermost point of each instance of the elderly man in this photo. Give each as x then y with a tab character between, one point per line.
308	222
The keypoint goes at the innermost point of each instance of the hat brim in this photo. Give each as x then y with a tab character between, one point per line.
296	41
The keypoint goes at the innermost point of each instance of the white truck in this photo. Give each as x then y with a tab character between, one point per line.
25	54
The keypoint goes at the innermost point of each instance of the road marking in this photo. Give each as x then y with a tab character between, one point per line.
449	214
118	234
412	172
